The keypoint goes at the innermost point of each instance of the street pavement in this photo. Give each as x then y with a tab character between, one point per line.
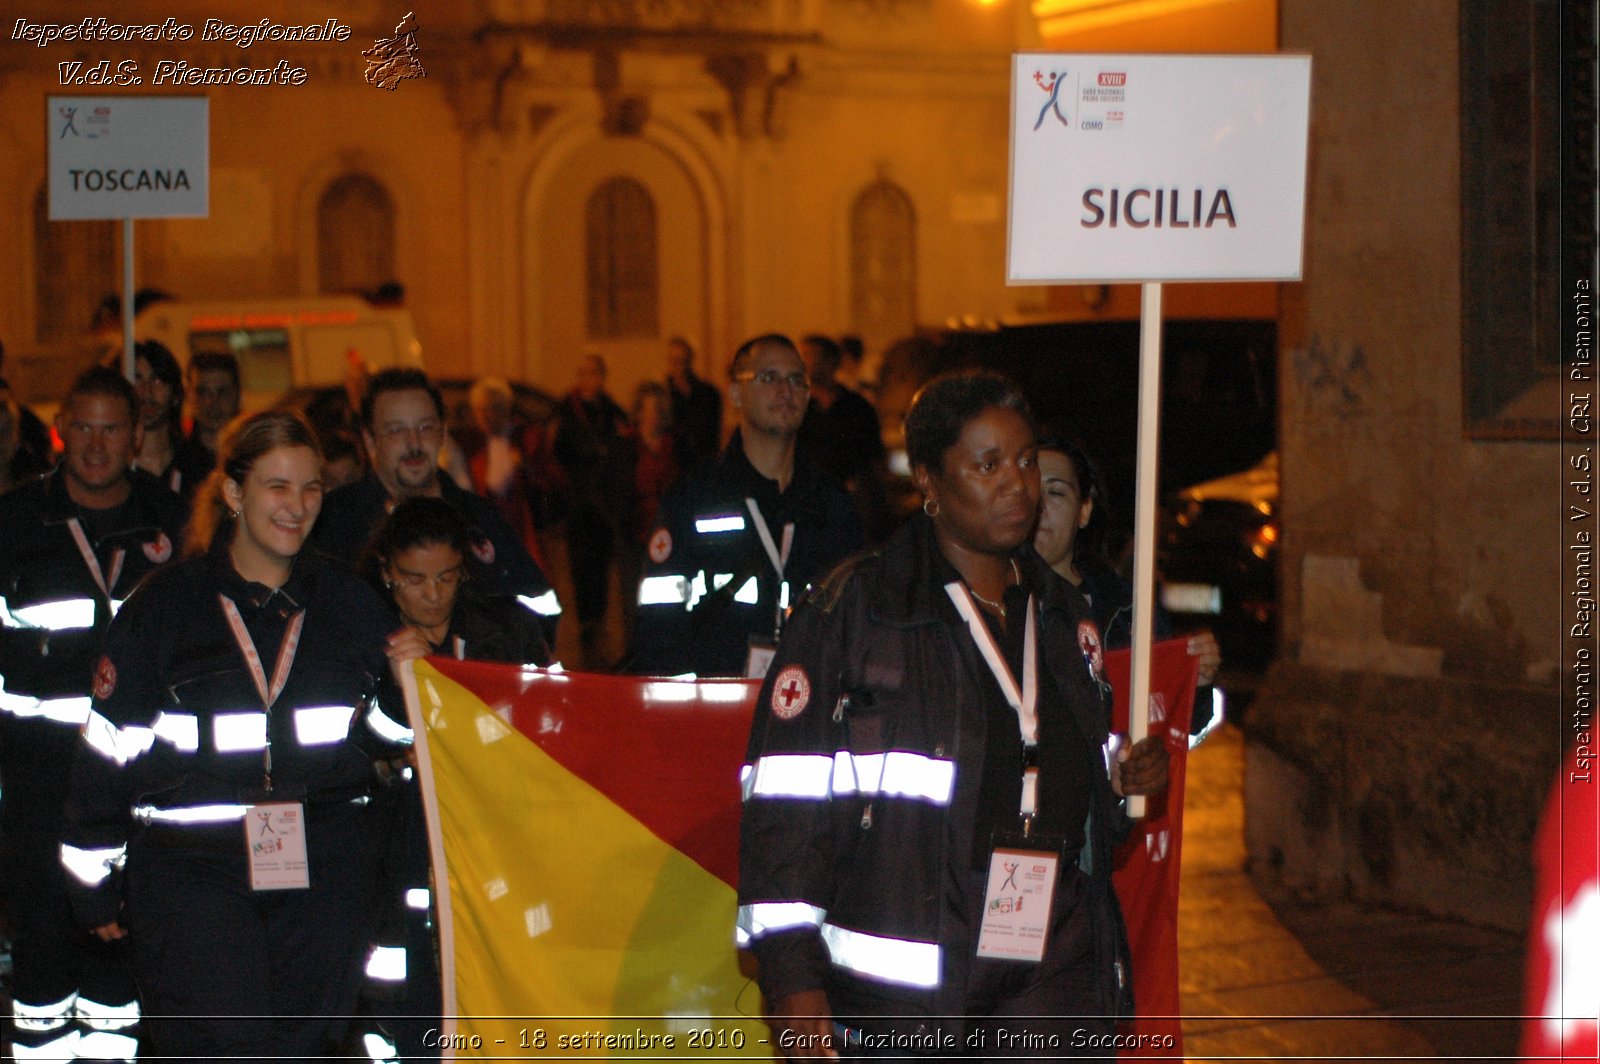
1266	976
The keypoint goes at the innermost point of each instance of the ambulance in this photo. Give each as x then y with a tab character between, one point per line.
285	345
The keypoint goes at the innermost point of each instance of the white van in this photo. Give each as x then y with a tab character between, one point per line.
284	344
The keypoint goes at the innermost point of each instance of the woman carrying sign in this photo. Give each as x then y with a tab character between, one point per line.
931	799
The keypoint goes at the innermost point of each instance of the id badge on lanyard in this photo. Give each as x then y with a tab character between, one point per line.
275	834
779	557
1018	897
1023	869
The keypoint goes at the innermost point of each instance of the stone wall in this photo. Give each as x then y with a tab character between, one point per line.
1401	746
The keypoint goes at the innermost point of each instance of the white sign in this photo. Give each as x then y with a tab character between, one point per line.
1157	168
128	156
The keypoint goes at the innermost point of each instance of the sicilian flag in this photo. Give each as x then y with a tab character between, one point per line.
1145	866
587	827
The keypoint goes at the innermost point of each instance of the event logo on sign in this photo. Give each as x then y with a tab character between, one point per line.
1051	85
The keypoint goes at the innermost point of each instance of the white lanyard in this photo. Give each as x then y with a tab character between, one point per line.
89	559
1023	700
247	647
461	649
778	558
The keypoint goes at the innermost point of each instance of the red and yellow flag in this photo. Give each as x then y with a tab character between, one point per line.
589	827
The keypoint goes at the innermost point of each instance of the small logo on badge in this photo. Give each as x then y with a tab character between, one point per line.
158	550
660	545
483	550
790	692
105	678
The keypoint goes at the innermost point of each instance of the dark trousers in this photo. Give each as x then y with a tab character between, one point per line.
1047	1009
405	1010
67	986
227	972
1018	1008
589	553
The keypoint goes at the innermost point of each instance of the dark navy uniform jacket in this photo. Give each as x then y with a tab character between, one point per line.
53	620
709	583
178	740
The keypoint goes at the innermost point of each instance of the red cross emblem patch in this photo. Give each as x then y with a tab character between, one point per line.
105	678
1089	643
790	692
158	550
660	545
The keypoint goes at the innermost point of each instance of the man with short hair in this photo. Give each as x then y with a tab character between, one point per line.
696	406
214	396
739	539
403	421
72	546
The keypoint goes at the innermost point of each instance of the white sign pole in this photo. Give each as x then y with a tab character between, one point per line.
1144	519
127	298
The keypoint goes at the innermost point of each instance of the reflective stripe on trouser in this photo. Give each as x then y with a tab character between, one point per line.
62	1047
59	971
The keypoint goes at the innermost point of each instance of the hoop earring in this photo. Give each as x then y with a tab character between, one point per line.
926	503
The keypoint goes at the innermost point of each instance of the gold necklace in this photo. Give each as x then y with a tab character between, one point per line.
999	607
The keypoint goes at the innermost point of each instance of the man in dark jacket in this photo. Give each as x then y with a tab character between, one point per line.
403	415
739	539
72	546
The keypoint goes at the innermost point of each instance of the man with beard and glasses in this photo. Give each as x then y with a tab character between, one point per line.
402	416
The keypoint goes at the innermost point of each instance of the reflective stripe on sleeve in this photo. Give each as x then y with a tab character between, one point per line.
62	615
120	745
323	725
663	591
39	1018
72	710
92	867
720	523
749	594
417	898
179	730
904	961
191	814
233	732
387	964
765	917
387	728
545	605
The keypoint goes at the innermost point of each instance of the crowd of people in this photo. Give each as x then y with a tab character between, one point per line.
200	614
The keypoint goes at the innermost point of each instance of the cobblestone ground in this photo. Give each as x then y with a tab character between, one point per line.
1275	978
